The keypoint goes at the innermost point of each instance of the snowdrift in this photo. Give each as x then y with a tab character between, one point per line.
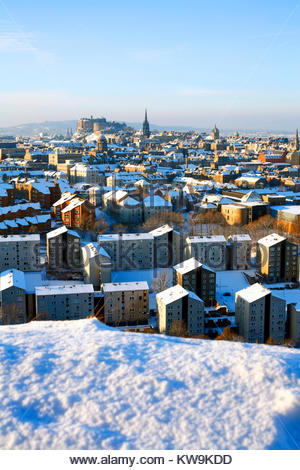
81	385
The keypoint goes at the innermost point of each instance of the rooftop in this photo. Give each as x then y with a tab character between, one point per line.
253	293
125	286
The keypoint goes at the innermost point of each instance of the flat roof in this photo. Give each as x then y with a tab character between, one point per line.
64	289
271	239
125	286
20	238
253	293
187	265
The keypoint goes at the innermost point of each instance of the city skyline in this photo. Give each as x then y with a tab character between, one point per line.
234	64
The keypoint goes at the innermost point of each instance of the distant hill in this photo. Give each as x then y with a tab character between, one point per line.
34	128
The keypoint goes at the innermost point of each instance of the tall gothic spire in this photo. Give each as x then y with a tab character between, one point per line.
297	140
146	127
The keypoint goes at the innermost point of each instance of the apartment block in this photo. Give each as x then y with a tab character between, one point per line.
78	213
96	265
293	323
126	303
277	259
64	302
163	246
129	251
12	297
259	314
239	251
208	249
63	249
195	277
20	252
178	304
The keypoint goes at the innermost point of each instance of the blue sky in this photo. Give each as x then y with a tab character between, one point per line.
191	62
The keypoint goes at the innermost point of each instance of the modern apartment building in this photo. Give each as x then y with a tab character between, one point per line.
64	302
178	304
63	249
208	249
239	251
277	259
96	265
195	277
126	303
293	323
12	297
163	246
129	250
259	314
20	252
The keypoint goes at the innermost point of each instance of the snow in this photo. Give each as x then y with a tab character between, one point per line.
81	385
125	286
253	293
229	282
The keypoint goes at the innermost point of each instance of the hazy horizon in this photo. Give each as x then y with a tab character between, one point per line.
193	64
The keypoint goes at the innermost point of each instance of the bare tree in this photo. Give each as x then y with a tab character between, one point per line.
179	328
162	282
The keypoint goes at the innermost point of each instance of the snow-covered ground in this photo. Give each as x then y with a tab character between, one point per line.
229	282
81	385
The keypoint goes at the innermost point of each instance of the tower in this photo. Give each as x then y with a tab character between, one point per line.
215	134
297	140
101	144
146	128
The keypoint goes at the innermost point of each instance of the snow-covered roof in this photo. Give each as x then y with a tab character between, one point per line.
10	278
161	230
76	202
271	240
156	201
66	196
125	286
125	236
241	237
187	266
207	239
65	289
253	293
20	238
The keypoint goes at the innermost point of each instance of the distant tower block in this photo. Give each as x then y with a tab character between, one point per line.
146	127
101	144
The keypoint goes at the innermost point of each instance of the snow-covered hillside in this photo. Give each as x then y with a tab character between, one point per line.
82	385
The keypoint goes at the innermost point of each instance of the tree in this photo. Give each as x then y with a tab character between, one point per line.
178	328
174	219
119	228
288	343
162	282
271	341
229	335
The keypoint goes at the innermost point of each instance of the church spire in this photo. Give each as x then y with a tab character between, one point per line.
297	140
146	127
